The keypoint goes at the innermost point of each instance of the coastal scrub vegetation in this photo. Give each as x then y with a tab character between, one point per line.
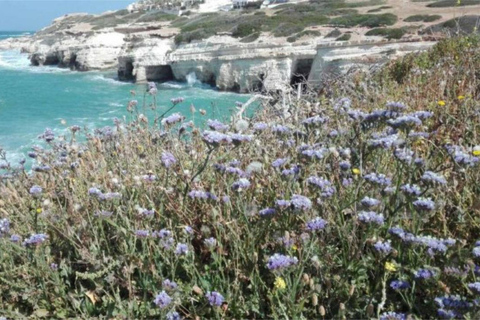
286	21
358	200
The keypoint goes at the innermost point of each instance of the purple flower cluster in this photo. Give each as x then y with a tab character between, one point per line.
279	162
279	129
215	299
260	126
176	101
392	316
280	261
317	153
216	138
315	121
173	118
293	171
411	190
433	178
475	286
168	159
169	284
396	106
216	125
399	285
241	184
316	224
404	155
36	190
424	274
173	315
424	204
383	247
162	300
35	239
48	135
238	138
297	202
407	121
327	190
266	211
197	194
181	249
385	142
370	202
210	243
378	178
4	227
371	217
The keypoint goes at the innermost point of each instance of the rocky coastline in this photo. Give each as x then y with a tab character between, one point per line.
148	52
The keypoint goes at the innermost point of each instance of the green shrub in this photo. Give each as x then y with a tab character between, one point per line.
389	33
344	37
423	18
365	20
453	3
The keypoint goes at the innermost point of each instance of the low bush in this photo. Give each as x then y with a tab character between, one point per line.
389	33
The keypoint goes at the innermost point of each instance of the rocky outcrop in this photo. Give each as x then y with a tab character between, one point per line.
148	53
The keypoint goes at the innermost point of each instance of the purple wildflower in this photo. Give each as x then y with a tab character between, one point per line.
370	202
267	211
210	243
173	118
279	129
315	121
15	238
215	138
181	249
424	274
396	106
4	227
36	190
424	204
241	184
168	159
316	224
433	178
162	300
176	101
475	286
324	185
345	165
407	121
383	247
142	233
188	230
392	316
54	266
35	239
149	177
300	202
173	315
411	190
371	217
279	162
476	252
238	138
378	178
48	135
214	298
260	126
216	125
399	285
280	261
169	285
226	199
453	302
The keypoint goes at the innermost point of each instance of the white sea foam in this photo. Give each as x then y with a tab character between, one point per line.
172	85
102	78
115	104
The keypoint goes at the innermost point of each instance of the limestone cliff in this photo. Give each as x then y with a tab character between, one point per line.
147	52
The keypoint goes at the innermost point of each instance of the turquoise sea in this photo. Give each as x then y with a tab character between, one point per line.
34	98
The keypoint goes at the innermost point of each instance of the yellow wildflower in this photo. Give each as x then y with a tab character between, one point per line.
356	171
39	210
461	97
389	266
280	283
441	103
476	152
294	248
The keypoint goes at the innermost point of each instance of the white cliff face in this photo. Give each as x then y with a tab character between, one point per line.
148	53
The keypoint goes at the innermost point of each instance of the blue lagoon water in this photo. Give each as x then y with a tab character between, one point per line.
34	98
